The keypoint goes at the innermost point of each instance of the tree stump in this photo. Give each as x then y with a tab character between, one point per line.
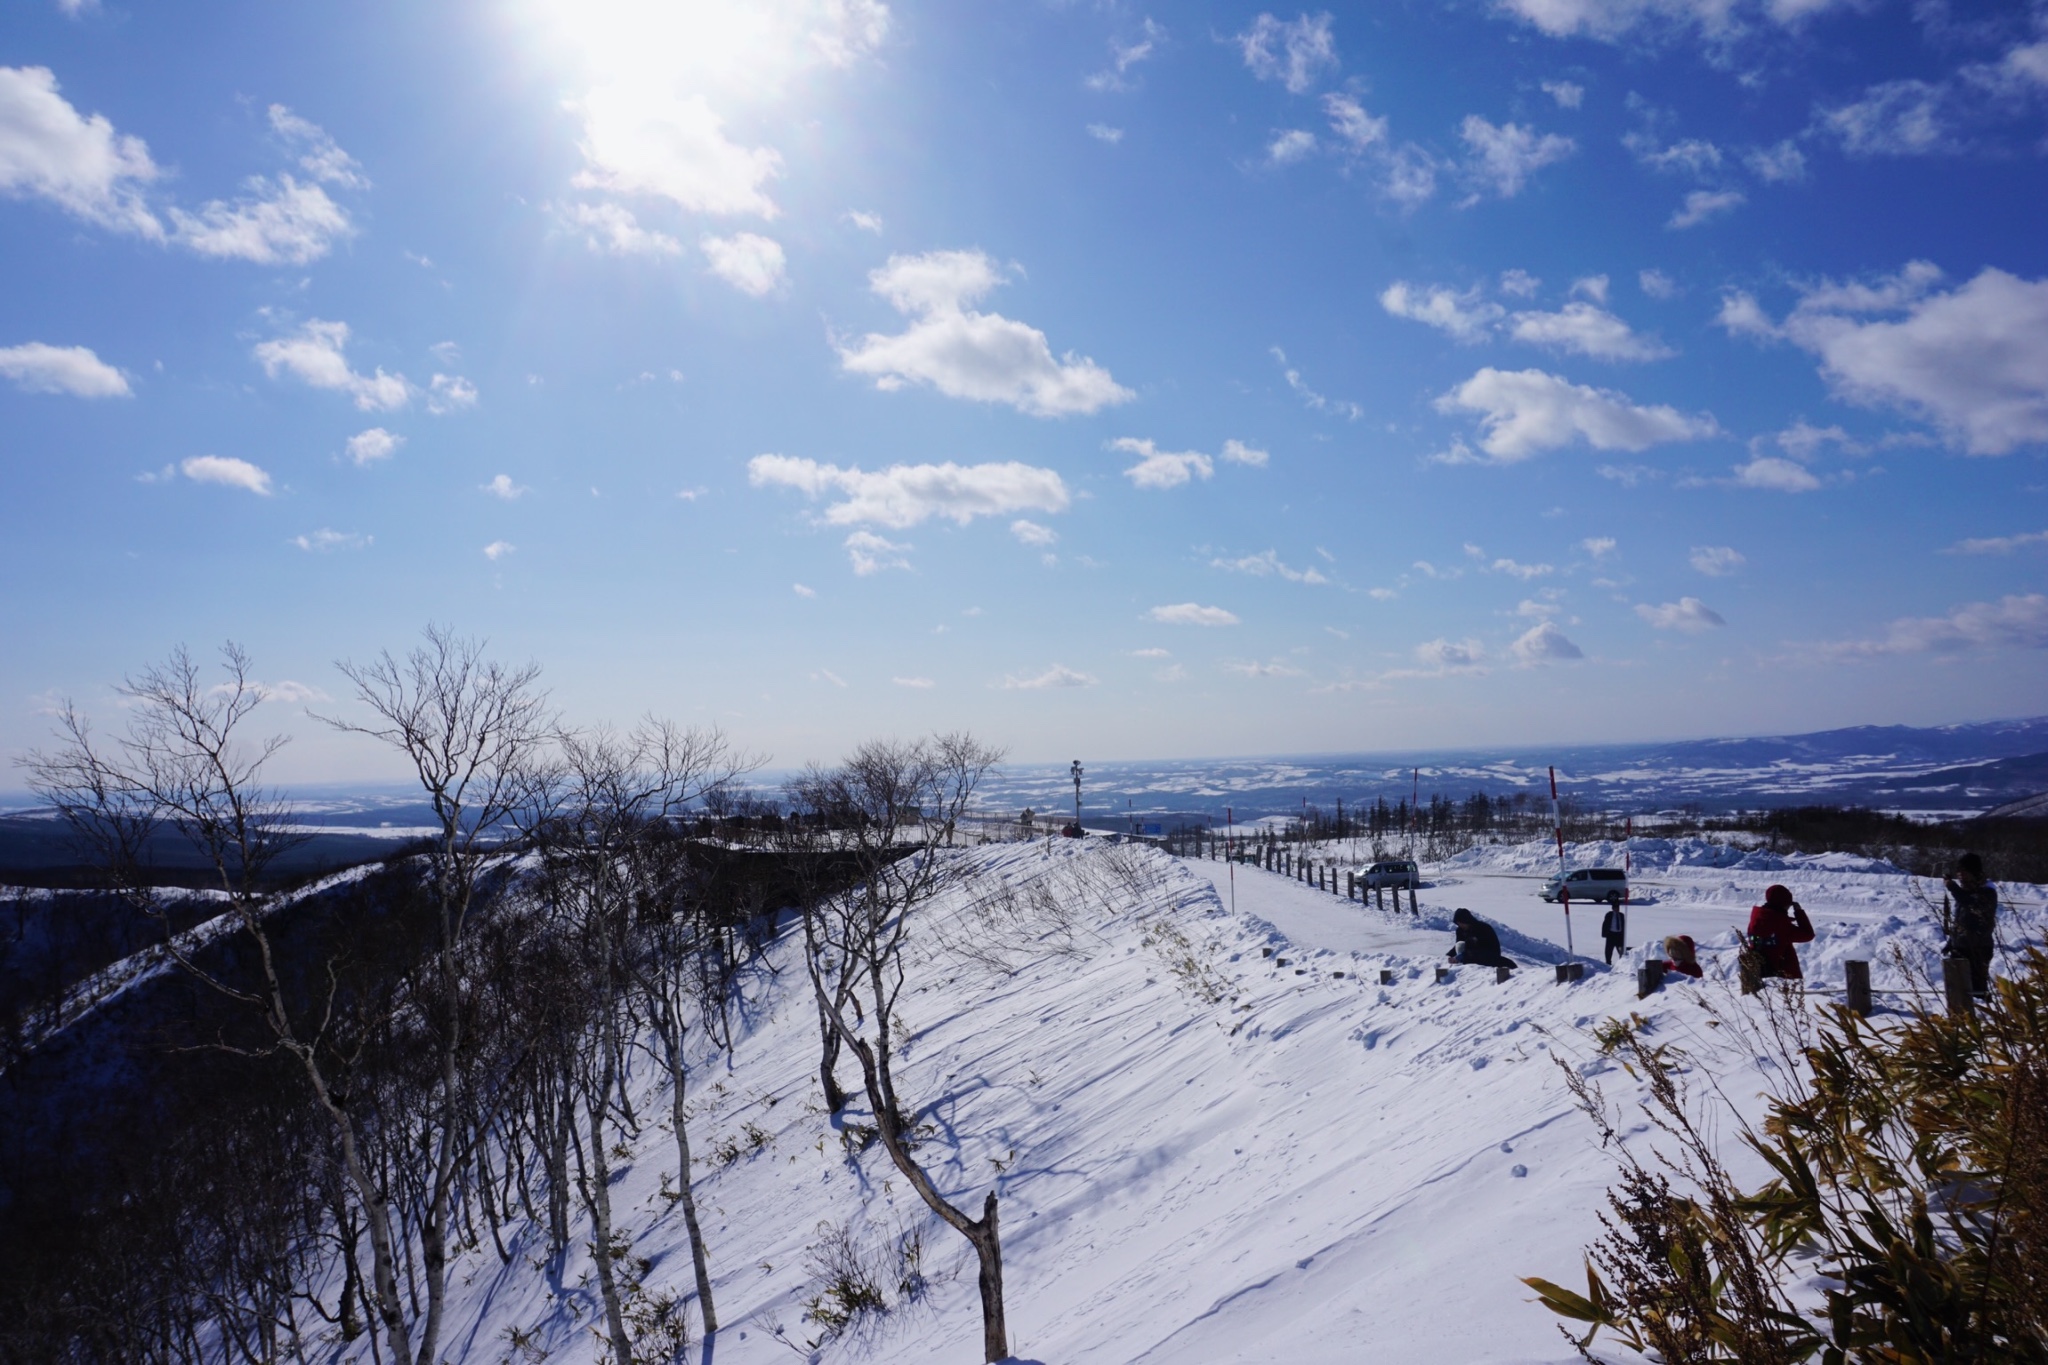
1856	976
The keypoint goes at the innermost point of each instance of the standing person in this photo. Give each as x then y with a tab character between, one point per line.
1614	929
1973	933
1774	927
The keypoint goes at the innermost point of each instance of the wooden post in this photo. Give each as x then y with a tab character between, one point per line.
1414	905
1650	978
1443	974
1568	972
1955	984
1379	899
1856	975
1502	973
1386	976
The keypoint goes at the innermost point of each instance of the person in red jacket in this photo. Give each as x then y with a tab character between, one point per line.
1774	927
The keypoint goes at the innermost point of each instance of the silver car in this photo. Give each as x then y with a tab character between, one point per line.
1609	884
1395	872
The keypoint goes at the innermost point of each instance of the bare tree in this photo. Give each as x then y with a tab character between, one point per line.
472	730
891	807
615	864
182	770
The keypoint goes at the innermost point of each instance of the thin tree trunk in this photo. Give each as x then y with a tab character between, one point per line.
597	1197
699	1260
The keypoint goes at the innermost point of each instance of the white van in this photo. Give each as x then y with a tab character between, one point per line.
1608	884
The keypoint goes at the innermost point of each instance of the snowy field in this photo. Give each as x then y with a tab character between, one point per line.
1216	1136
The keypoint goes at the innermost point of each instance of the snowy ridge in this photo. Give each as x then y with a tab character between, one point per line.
1215	1135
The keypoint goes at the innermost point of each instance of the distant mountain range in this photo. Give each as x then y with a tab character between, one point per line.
1960	769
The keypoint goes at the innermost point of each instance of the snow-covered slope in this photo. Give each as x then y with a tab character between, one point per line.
1216	1135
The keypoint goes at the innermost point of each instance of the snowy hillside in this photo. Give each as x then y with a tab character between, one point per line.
1216	1135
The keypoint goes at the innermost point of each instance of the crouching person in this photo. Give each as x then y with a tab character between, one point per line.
1682	956
1477	943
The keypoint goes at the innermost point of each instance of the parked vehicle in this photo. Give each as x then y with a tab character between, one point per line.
1396	872
1609	884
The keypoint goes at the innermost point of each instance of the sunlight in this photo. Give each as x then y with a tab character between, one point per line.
736	49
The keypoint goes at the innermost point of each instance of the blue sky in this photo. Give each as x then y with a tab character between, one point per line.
1198	380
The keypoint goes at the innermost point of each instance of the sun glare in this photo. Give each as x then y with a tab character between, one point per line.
744	50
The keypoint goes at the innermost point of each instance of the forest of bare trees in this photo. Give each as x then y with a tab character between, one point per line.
328	1095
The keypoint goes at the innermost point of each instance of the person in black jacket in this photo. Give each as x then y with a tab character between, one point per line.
1973	934
1477	943
1614	929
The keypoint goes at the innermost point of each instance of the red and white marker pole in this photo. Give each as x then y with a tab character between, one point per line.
1564	891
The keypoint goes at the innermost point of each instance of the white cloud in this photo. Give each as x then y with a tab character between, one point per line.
964	354
1158	468
801	591
1525	412
827	675
280	223
1340	407
1587	330
1153	653
1452	656
498	549
1031	533
747	261
1568	94
1776	475
1519	283
1059	675
1896	118
225	469
1593	287
314	355
691	494
614	230
1410	176
1507	155
1293	52
79	163
35	367
2013	622
1290	145
1973	360
866	222
1687	614
1609	20
1692	156
1348	119
919	684
1776	164
1254	669
1102	132
1525	572
1191	614
904	495
1544	643
1542	609
1267	564
1465	316
1598	546
1701	205
319	157
368	447
450	393
326	539
640	141
1657	284
1742	315
503	487
871	554
1997	545
1123	56
1717	561
1237	452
